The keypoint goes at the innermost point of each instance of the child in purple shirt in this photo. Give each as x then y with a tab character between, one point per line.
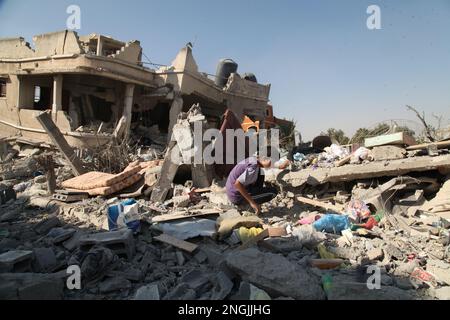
246	182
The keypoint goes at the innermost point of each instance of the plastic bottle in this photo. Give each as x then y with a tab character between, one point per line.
327	283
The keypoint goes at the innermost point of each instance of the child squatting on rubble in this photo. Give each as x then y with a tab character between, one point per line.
246	181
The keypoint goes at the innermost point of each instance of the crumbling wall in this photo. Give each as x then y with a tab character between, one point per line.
15	48
131	52
55	43
241	86
184	61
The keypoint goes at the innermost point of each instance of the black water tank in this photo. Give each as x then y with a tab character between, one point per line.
224	69
250	77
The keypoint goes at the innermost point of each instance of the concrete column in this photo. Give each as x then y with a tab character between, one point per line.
128	107
57	94
99	46
175	110
18	101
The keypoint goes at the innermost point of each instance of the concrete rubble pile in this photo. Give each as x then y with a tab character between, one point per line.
365	235
93	204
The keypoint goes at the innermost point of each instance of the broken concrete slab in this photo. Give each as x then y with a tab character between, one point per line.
248	292
383	153
196	280
16	261
8	244
168	173
59	141
72	243
201	256
375	254
273	273
282	245
45	259
440	271
133	274
148	292
60	234
10	216
442	293
121	242
392	168
308	236
181	292
31	286
223	286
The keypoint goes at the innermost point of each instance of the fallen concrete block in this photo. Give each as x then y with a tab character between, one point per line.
222	288
45	259
273	273
31	286
375	254
72	243
16	261
120	242
59	235
388	153
196	280
181	292
351	172
45	226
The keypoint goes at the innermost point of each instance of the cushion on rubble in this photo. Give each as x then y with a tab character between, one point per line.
94	179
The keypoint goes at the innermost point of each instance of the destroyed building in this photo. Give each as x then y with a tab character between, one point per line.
139	233
98	88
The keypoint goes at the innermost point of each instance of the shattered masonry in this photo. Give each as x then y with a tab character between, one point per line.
81	186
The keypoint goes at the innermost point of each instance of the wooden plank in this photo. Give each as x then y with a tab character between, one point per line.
184	215
177	243
343	161
399	138
439	145
58	139
277	232
319	204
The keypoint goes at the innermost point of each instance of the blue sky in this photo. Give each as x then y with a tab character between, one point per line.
326	68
